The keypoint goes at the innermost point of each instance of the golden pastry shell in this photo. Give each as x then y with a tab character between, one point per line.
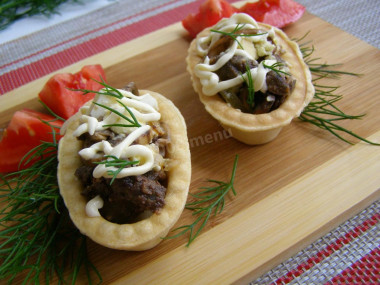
258	129
146	233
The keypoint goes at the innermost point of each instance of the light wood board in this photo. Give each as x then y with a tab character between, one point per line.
289	192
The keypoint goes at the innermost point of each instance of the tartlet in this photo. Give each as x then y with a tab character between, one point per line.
149	231
246	127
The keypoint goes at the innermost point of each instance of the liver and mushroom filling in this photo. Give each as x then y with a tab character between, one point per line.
279	84
127	198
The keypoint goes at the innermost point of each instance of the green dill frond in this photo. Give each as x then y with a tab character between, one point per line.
133	122
322	111
210	201
250	86
120	164
276	67
113	92
11	11
37	236
235	34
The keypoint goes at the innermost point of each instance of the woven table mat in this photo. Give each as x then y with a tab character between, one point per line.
28	58
349	254
360	18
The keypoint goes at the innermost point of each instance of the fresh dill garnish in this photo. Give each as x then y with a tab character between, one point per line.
12	10
50	111
113	92
113	161
319	70
250	86
38	237
322	111
276	67
210	201
235	34
133	122
107	90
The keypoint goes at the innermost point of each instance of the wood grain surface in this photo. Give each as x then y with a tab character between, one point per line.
289	191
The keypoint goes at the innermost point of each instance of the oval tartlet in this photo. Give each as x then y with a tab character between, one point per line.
257	128
148	232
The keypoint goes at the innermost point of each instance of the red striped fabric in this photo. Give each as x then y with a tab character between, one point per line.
370	263
32	71
365	271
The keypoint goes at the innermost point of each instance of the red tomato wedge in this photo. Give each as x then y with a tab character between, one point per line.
278	13
65	102
25	131
210	12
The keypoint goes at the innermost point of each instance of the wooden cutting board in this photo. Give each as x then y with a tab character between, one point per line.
289	192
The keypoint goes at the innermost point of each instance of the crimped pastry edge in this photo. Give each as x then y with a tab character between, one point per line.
149	232
258	129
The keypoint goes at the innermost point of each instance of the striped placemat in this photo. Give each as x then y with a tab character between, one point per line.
28	58
350	254
357	17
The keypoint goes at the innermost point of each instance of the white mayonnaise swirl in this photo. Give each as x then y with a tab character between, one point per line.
93	206
144	108
259	46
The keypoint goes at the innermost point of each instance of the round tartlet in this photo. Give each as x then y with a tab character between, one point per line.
148	232
262	128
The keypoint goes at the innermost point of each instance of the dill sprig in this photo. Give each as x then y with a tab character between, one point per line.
210	200
323	113
133	122
250	86
50	111
107	90
38	239
318	69
276	67
12	10
235	34
120	164
113	92
322	110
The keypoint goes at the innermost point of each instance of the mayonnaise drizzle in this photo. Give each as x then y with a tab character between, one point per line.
93	206
144	108
123	150
211	85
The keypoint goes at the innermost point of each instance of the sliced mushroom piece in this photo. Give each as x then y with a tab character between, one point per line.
235	67
279	84
218	48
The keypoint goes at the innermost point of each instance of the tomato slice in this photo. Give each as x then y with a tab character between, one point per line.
278	13
210	12
25	131
64	102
